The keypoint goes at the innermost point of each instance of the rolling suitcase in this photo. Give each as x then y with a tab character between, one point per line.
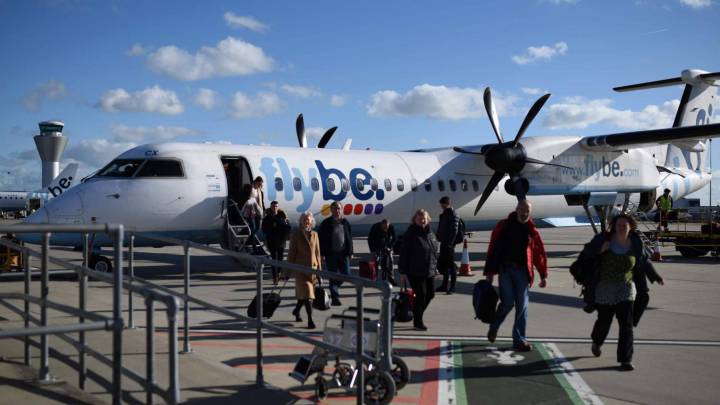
270	302
368	269
404	304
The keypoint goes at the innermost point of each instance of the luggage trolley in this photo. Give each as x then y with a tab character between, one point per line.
380	385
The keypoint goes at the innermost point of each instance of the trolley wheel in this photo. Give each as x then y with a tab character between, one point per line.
100	263
400	372
379	388
343	374
321	388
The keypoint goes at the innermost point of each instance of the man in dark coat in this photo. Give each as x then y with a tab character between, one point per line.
447	230
381	241
276	227
336	246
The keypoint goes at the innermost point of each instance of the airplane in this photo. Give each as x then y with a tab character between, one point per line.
17	201
183	190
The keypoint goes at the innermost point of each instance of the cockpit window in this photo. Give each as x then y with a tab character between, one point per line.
161	168
120	168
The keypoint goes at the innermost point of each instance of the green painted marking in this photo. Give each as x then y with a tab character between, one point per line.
559	374
460	393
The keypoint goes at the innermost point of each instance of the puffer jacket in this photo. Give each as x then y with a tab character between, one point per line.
419	252
535	254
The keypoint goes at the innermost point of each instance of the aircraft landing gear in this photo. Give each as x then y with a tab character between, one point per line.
100	263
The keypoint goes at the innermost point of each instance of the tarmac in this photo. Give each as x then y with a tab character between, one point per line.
677	344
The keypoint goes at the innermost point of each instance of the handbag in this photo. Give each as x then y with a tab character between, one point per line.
322	298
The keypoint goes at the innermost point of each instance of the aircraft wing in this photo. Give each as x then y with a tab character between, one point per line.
651	137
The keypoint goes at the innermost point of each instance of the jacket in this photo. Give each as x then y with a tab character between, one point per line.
419	252
448	226
305	252
535	254
643	271
276	228
379	240
325	232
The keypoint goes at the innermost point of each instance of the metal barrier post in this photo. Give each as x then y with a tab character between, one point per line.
44	373
174	388
360	347
150	348
186	306
82	366
387	327
259	377
26	316
117	316
131	272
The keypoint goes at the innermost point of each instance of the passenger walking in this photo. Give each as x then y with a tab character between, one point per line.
336	245
276	228
418	263
305	250
664	205
381	240
515	247
617	284
252	214
448	226
258	193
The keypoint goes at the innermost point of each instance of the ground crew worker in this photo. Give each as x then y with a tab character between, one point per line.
664	205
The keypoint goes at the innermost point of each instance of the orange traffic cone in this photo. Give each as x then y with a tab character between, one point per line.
656	256
465	262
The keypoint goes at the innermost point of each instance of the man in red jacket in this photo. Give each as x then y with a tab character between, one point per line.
515	247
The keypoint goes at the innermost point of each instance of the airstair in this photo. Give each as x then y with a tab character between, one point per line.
239	233
646	227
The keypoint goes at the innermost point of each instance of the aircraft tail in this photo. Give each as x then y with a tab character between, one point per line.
63	181
696	108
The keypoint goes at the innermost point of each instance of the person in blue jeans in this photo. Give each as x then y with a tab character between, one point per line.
336	246
515	248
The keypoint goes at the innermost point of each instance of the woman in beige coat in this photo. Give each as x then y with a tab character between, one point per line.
305	250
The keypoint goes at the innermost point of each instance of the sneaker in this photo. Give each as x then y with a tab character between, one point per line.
595	349
492	335
523	347
627	366
336	302
421	327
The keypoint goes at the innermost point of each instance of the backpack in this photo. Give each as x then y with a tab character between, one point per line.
404	303
484	301
460	235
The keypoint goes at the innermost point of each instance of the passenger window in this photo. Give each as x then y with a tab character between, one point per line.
278	184
330	184
400	185
345	185
161	168
453	186
428	185
413	184
475	185
314	184
120	168
359	184
388	185
463	185
297	184
441	185
373	184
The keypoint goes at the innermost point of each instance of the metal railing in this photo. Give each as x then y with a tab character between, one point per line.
88	321
257	264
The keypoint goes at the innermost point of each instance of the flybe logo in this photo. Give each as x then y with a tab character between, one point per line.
333	183
63	184
600	168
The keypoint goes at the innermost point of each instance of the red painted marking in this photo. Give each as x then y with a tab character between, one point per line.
429	391
252	345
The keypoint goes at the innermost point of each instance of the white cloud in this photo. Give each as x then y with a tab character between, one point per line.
206	99
300	91
315	132
239	21
151	100
337	100
562	1
264	104
137	50
696	4
230	57
423	141
534	53
124	133
52	90
577	112
532	91
96	152
440	102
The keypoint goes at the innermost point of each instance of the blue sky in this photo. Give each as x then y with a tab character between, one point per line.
391	74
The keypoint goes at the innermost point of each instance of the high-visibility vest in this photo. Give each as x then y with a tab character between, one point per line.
665	203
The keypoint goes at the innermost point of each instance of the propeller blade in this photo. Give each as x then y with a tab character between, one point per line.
461	150
534	110
300	130
540	162
492	114
494	180
326	137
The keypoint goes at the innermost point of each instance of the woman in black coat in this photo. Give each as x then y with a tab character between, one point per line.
614	269
418	263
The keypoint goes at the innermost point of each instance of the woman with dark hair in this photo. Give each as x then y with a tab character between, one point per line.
618	266
418	263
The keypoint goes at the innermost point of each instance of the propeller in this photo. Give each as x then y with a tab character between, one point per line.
507	158
302	138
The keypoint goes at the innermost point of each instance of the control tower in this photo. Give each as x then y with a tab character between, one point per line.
50	145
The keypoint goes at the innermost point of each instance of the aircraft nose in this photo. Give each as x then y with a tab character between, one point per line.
38	217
